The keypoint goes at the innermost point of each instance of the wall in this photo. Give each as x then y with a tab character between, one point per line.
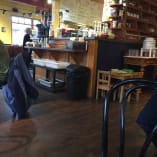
111	52
5	19
81	11
40	4
6	23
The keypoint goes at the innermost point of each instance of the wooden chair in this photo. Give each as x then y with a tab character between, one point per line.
137	92
136	84
103	82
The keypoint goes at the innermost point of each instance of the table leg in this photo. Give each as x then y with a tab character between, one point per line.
142	70
121	94
33	73
54	81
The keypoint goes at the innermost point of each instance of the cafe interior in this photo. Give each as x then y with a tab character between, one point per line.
90	87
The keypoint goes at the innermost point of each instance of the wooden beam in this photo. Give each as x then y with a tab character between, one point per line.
99	1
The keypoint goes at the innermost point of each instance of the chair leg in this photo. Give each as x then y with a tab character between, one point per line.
114	96
147	142
138	94
97	92
129	98
145	146
121	93
103	93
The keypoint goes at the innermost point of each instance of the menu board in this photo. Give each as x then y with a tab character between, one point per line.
81	11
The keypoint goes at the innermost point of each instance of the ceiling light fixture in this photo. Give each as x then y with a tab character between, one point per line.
49	1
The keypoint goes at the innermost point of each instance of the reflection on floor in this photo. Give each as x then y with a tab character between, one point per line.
58	127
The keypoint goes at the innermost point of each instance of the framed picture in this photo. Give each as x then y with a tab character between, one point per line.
3	29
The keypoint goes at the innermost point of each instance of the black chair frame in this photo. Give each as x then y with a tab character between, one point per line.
137	84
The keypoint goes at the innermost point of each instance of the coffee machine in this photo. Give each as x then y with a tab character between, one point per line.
43	28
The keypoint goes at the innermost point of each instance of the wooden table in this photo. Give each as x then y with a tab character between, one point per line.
124	76
140	61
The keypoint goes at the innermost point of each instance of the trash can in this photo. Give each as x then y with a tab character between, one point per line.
77	81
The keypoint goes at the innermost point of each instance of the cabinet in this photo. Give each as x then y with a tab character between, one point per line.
134	19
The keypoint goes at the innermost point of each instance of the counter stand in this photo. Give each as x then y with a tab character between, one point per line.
56	84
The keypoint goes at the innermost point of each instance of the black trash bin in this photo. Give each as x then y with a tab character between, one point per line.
77	81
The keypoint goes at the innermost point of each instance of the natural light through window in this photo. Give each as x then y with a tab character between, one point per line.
19	25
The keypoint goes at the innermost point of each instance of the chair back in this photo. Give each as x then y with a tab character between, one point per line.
103	81
136	84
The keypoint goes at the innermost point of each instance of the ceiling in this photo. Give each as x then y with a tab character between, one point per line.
39	3
99	1
43	3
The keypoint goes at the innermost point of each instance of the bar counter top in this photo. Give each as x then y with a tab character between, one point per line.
55	49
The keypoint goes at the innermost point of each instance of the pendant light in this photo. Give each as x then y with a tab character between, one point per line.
49	1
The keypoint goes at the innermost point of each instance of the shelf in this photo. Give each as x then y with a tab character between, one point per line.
150	2
147	22
132	30
139	18
131	18
58	87
117	29
56	83
136	8
148	12
56	49
116	5
153	34
116	17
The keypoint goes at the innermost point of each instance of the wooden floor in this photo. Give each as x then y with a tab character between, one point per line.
64	128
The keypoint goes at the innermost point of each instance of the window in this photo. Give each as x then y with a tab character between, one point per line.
35	29
19	25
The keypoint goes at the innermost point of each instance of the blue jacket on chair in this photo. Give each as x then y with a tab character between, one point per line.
20	90
147	118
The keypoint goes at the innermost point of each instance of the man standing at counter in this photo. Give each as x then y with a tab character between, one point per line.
26	39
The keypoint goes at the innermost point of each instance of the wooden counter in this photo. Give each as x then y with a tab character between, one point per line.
86	58
101	54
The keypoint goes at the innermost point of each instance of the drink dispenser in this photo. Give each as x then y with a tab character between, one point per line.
43	33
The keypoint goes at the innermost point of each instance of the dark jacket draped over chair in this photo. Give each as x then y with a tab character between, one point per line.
147	118
20	91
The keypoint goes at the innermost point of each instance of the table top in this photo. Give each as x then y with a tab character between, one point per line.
124	76
140	61
140	57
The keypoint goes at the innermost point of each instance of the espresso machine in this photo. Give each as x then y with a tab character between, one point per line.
43	28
